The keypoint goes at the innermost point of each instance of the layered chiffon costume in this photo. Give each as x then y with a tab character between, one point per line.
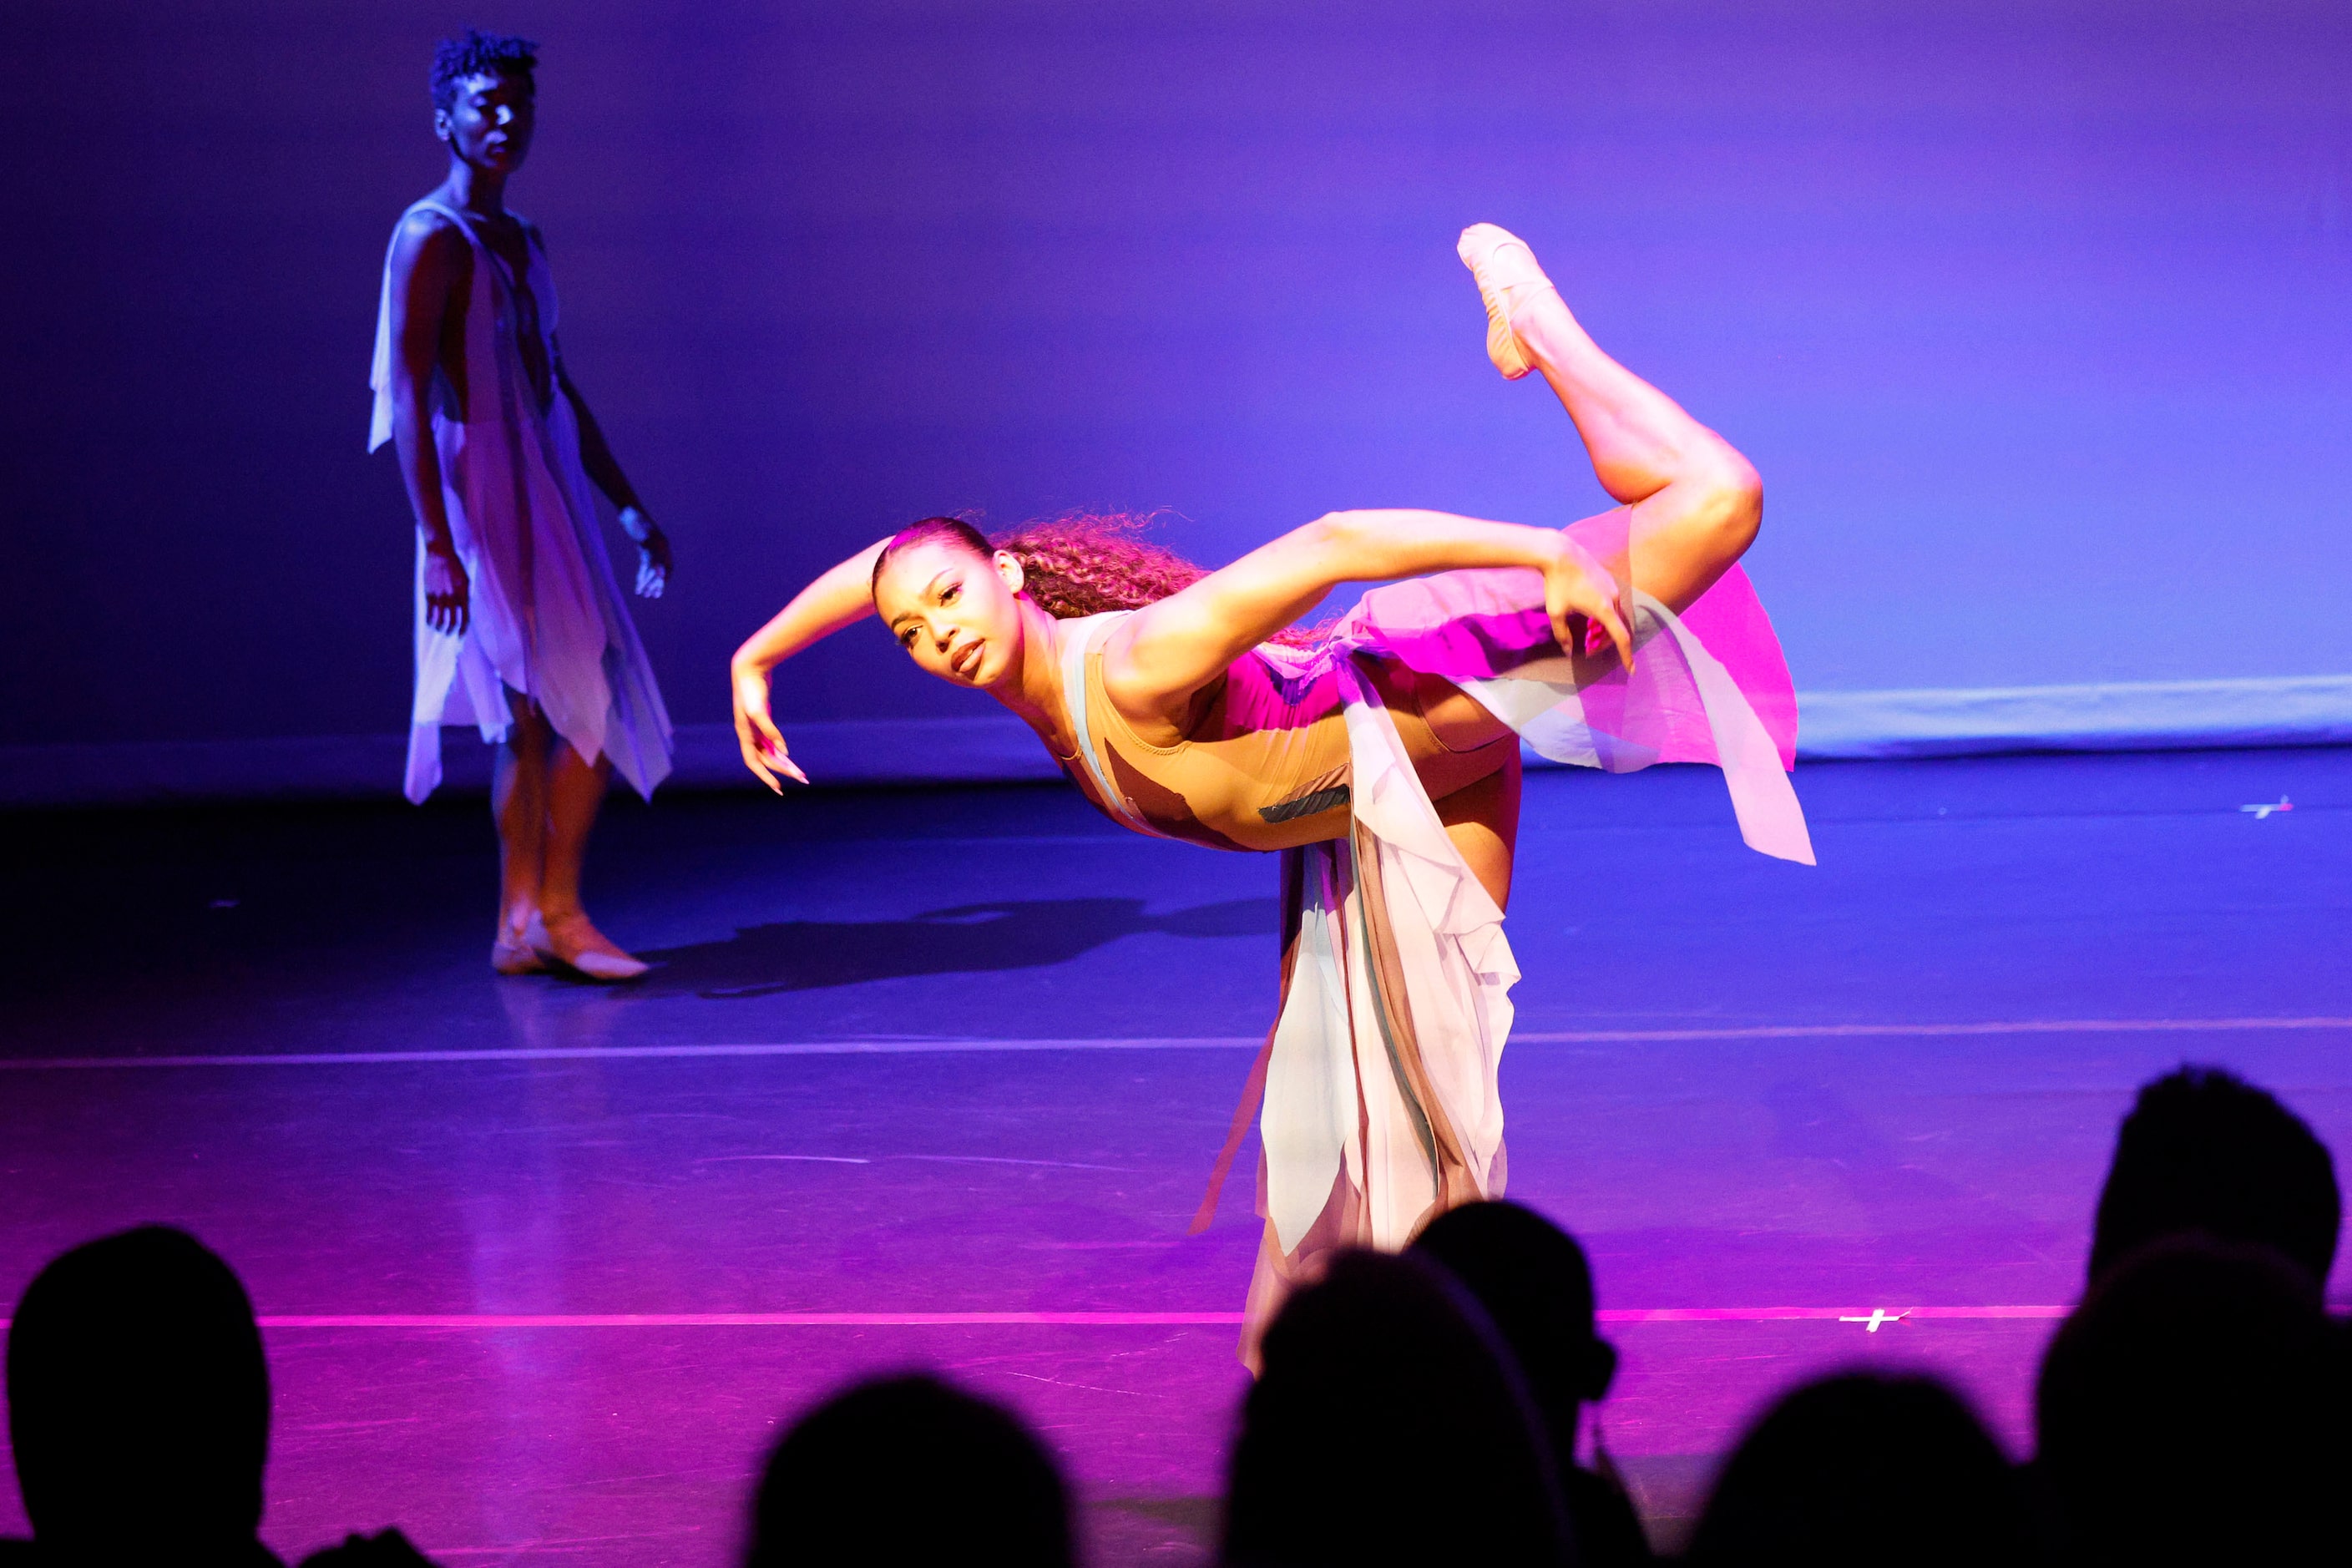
546	619
1376	1093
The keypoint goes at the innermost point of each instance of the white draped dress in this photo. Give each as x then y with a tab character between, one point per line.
546	616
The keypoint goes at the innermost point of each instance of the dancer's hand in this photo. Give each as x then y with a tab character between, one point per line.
653	551
763	749
446	591
1577	586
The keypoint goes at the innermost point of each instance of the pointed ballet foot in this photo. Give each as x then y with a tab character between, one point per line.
1501	262
574	942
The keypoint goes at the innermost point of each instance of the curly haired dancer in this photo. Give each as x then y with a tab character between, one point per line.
1381	754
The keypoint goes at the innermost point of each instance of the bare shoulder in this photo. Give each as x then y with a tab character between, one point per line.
430	243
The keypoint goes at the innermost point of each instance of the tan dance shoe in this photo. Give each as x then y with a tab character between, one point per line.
1501	262
574	942
513	954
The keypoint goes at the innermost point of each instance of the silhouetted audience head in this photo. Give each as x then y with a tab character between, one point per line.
384	1549
1532	1279
1861	1472
1536	1287
907	1470
138	1404
2190	1411
1389	1426
2205	1151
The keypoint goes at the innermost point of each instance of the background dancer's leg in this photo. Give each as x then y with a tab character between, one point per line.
545	797
518	806
575	788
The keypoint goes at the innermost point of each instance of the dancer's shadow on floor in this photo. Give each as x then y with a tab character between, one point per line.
805	955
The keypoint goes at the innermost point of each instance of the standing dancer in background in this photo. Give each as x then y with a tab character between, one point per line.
521	628
1379	755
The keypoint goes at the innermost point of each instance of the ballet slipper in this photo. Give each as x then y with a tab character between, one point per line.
1502	263
574	942
515	957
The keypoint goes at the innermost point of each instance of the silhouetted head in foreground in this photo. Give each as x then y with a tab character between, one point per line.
1389	1427
138	1404
909	1471
2205	1151
2191	1412
1534	1282
1536	1286
1863	1472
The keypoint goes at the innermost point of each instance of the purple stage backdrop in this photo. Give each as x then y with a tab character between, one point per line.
2035	315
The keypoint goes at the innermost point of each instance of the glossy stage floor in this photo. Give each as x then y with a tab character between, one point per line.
934	1078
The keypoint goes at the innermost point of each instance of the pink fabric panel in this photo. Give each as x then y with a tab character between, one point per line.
1483	624
1731	620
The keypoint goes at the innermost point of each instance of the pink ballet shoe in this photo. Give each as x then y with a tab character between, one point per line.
511	957
1501	262
574	942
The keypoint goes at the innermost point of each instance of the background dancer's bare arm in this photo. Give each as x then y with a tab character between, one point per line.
596	458
432	268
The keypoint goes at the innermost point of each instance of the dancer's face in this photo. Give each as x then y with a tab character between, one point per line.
957	612
490	123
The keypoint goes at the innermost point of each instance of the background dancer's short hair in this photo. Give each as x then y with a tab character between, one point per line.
476	53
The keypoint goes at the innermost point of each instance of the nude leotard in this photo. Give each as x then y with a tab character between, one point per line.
1264	763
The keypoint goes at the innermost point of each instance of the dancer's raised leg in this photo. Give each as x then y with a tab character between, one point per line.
1695	501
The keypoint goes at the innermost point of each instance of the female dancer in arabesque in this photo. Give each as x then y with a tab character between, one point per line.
1381	754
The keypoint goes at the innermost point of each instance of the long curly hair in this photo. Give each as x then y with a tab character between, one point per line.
1078	564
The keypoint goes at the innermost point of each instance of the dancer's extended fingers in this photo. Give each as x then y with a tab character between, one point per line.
763	746
772	750
752	759
1605	625
1614	625
754	747
1575	585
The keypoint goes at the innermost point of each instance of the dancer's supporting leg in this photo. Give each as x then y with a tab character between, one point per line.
575	788
1483	820
1695	501
545	797
518	806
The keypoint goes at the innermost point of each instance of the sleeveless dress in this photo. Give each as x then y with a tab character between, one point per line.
545	615
1376	1092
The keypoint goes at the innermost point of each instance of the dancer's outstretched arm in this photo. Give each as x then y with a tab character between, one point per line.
842	598
1168	650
